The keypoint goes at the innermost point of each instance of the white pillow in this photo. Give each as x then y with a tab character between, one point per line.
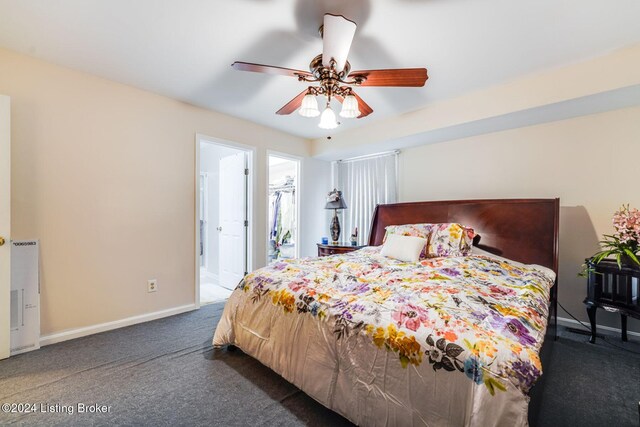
403	248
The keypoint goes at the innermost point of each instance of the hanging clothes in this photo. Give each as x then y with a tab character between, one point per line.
282	219
275	207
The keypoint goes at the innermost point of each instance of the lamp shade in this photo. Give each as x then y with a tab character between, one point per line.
350	107
335	200
309	106
328	119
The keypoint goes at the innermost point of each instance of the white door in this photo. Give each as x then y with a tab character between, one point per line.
5	227
232	229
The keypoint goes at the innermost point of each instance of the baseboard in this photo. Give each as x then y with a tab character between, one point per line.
108	326
571	322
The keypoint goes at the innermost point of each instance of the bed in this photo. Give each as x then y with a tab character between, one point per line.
438	342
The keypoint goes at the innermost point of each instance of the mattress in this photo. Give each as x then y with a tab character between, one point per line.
444	341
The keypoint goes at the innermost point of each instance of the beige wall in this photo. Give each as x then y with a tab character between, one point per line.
103	175
589	162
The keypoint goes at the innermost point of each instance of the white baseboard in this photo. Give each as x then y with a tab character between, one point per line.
571	323
108	326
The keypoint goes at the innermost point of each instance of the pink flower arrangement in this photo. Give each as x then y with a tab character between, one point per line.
627	225
624	243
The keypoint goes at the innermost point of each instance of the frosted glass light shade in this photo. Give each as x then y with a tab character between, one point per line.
309	106
328	119
349	107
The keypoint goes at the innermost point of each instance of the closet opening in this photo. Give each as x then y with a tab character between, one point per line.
283	199
222	218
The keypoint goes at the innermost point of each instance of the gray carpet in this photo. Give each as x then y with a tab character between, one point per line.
590	384
165	372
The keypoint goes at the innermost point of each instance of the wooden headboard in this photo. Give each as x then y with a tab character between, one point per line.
524	230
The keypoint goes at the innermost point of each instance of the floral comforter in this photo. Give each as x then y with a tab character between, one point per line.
445	341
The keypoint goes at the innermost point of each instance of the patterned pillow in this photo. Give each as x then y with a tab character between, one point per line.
450	239
416	230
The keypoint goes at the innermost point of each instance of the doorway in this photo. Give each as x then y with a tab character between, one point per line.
283	197
222	218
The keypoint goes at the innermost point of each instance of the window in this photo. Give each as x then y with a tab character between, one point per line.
365	182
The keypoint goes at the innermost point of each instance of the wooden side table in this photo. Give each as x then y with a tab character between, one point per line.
340	248
613	289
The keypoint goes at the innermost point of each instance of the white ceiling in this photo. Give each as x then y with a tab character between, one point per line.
183	48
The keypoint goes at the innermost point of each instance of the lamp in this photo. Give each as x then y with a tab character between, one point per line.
328	119
335	202
350	107
309	106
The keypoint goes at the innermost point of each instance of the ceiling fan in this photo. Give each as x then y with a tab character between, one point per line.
332	72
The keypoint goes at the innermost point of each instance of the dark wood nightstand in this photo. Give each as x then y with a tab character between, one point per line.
339	248
613	289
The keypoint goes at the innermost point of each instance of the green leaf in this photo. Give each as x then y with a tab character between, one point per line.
488	384
631	255
492	384
404	361
498	385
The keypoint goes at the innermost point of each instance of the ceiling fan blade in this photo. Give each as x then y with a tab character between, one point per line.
401	77
337	35
269	69
292	105
364	108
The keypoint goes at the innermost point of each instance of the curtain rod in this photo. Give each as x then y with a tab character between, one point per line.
368	156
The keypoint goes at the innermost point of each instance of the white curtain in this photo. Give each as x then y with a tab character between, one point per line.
365	183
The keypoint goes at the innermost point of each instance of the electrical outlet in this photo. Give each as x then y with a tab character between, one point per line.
152	285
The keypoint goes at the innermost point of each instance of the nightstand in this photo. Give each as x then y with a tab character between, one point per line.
614	289
339	248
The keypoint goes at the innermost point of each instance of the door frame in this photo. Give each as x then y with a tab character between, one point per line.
5	226
299	161
251	153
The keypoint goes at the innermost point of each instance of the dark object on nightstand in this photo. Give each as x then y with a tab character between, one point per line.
340	248
613	289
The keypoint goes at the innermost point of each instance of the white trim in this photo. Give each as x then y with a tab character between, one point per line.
108	326
298	161
370	156
196	221
5	226
571	322
251	156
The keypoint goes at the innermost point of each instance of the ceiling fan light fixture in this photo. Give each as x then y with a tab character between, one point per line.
328	119
309	106
350	107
